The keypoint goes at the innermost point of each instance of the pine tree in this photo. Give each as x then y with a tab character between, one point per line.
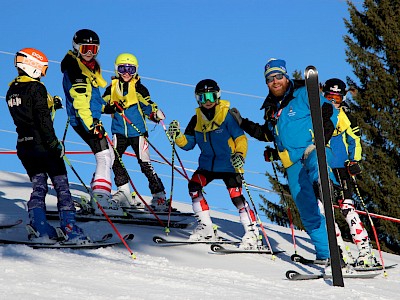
373	52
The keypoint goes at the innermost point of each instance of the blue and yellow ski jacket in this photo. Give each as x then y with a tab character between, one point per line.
134	98
217	139
346	145
81	87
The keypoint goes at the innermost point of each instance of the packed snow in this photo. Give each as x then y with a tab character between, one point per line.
164	272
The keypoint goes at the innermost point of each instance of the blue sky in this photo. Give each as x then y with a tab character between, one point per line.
178	43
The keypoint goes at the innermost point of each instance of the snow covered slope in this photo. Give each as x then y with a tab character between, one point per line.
159	272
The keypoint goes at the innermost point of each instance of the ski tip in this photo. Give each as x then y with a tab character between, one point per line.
107	236
291	274
309	71
215	247
295	257
158	239
129	237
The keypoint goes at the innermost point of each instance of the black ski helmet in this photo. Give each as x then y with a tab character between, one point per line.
84	36
336	86
205	86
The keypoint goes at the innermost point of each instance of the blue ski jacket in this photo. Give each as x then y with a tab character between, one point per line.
217	139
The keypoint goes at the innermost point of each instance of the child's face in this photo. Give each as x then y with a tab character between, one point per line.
88	56
126	77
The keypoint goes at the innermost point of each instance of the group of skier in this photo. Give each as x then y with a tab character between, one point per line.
218	130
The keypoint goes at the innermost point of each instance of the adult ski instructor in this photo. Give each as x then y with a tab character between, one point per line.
288	124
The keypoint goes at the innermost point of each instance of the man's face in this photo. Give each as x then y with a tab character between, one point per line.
277	87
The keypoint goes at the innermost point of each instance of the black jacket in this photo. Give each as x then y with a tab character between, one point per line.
27	102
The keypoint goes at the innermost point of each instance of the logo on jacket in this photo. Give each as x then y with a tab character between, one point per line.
15	100
291	113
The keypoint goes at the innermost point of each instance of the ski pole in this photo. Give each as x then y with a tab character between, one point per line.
255	211
292	229
288	208
372	223
131	182
100	207
172	187
176	153
147	140
65	130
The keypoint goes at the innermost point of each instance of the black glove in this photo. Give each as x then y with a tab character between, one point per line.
111	108
97	129
237	160
57	147
57	102
173	130
270	154
236	115
353	167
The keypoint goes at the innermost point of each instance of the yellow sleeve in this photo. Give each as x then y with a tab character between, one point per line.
241	145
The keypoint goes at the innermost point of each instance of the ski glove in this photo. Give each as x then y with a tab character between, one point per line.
57	102
270	154
57	147
157	116
173	130
237	160
353	167
97	129
236	115
111	108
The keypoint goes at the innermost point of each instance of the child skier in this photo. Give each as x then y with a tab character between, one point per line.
38	147
346	147
223	147
128	97
81	82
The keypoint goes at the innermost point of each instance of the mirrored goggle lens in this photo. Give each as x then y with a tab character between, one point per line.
86	48
209	96
130	69
277	76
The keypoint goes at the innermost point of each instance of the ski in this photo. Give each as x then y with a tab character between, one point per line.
11	224
313	91
83	205
142	211
294	275
221	250
102	243
162	241
127	219
374	268
300	259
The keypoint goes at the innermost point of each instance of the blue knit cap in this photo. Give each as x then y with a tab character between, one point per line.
275	66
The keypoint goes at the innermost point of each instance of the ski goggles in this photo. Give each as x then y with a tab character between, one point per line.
86	48
334	97
209	96
130	69
271	78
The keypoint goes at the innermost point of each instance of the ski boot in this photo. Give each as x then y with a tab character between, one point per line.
39	229
71	232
